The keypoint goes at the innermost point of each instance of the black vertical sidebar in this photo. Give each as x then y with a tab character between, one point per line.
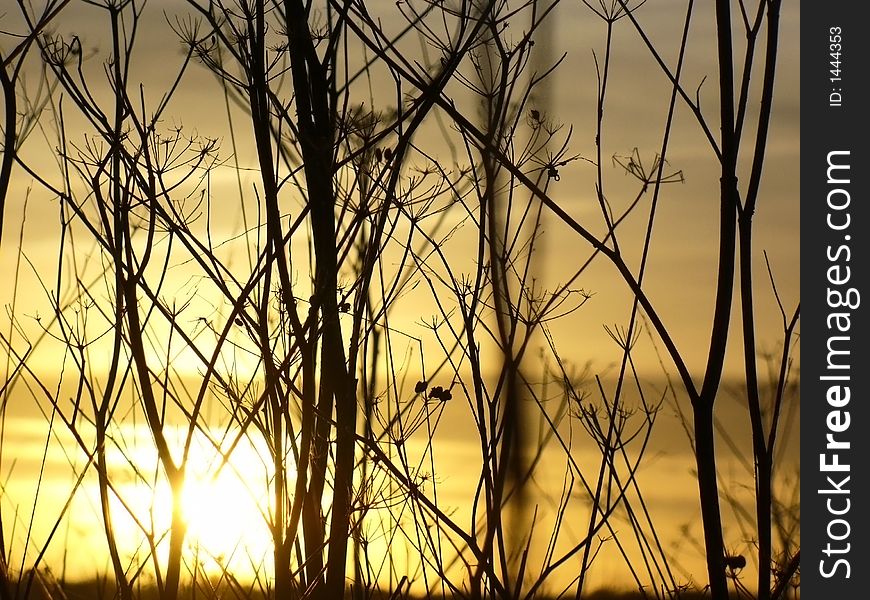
835	337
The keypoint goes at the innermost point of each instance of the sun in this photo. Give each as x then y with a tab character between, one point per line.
225	506
225	518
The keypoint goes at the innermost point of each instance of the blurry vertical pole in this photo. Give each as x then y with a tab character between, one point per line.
519	467
511	466
494	216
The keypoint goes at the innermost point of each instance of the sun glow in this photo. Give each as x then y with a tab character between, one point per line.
225	506
227	517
